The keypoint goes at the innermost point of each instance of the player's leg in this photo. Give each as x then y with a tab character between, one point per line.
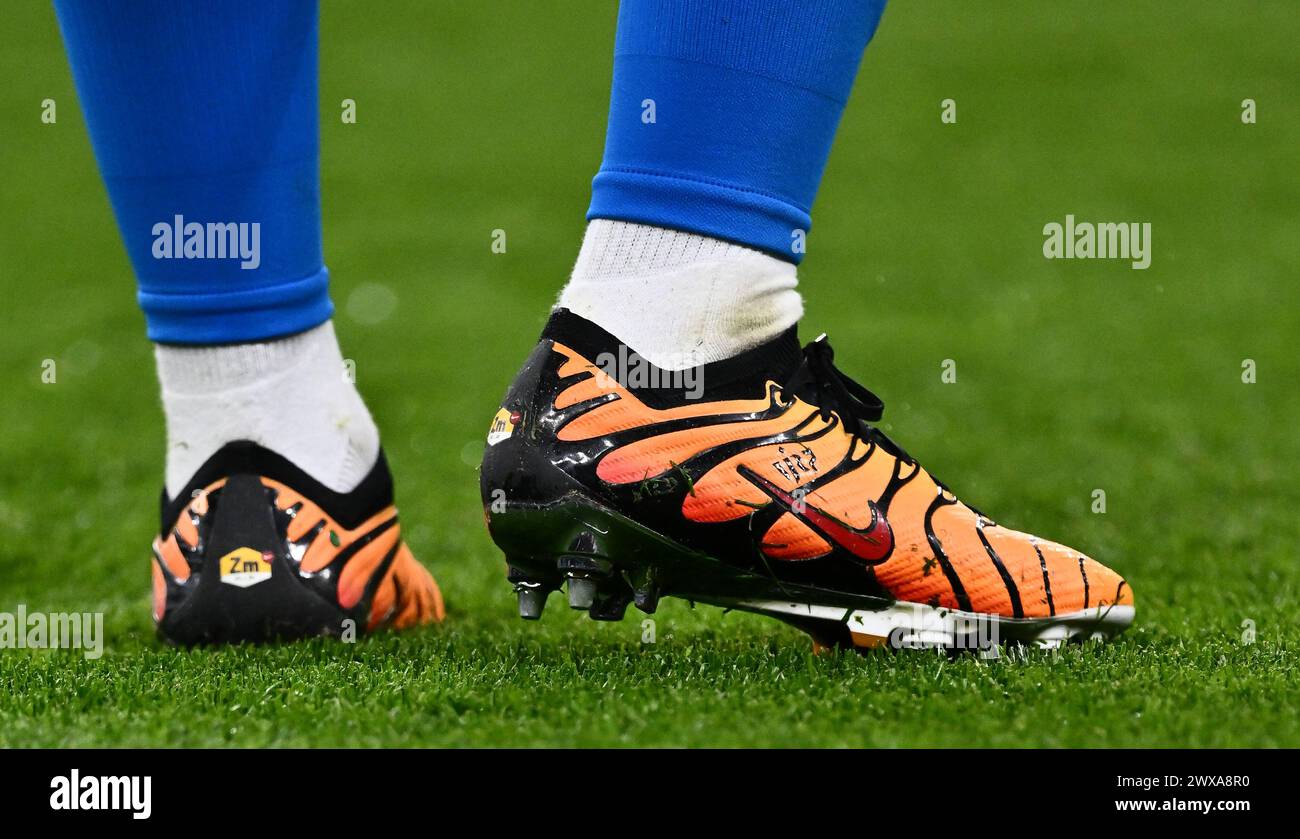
203	117
755	477
721	119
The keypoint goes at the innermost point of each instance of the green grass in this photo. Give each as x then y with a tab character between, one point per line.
1072	376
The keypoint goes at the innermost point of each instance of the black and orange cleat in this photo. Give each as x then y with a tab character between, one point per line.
254	549
759	483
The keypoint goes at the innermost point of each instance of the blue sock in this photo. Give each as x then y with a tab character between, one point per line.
723	112
205	114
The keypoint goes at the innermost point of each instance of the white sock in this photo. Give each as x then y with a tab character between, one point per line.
291	396
679	299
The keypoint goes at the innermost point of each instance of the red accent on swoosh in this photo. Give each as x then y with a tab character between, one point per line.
871	545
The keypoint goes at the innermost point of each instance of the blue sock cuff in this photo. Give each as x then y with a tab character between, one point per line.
253	314
723	211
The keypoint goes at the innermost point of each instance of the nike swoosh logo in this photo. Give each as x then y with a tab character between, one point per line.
872	545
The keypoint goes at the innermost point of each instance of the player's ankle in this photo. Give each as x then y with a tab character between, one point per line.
680	299
292	395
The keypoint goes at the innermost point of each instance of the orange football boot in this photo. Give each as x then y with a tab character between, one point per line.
759	483
255	549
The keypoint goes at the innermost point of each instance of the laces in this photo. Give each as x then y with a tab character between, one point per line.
836	392
818	380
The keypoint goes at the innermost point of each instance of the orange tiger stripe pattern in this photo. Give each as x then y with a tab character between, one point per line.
406	595
943	552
